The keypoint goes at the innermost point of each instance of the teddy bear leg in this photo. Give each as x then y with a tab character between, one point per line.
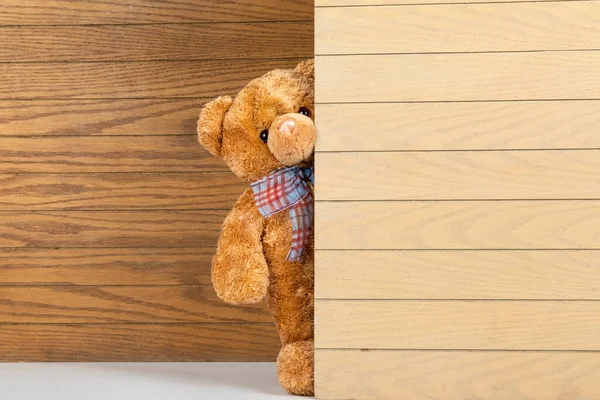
295	367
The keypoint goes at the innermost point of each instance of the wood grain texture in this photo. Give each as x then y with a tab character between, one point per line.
153	79
141	342
459	28
458	225
111	229
112	191
105	267
66	12
469	325
106	154
99	117
444	375
156	42
367	3
458	274
463	77
98	304
460	175
458	126
110	210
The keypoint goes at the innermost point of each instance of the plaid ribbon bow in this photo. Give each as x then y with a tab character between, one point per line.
288	189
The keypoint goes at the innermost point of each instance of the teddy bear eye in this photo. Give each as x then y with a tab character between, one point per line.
264	135
304	111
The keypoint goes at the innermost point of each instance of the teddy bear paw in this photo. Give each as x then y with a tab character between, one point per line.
295	368
234	287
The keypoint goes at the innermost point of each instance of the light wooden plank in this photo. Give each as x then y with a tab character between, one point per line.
140	342
458	126
458	274
458	225
366	3
472	325
119	191
460	175
435	375
152	79
464	77
156	42
67	12
106	154
103	267
458	28
99	117
98	304
111	228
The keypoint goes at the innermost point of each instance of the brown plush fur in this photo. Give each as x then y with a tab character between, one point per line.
250	263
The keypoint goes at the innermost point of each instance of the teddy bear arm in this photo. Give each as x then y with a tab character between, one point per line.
240	273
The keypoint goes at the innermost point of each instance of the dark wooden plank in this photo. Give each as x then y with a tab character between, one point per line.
134	267
106	154
139	342
153	79
68	12
99	117
119	191
156	42
110	229
98	304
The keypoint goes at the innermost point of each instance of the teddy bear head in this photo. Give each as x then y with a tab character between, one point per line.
267	126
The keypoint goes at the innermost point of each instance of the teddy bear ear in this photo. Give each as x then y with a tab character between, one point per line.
306	68
210	124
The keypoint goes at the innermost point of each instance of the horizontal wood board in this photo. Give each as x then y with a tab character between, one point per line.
443	375
156	42
459	274
114	191
460	175
140	80
520	125
550	75
110	228
146	304
368	3
447	325
105	266
119	12
115	154
444	28
155	117
458	225
154	342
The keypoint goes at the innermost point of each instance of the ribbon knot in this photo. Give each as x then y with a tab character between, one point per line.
289	189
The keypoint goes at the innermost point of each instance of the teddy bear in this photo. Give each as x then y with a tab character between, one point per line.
266	136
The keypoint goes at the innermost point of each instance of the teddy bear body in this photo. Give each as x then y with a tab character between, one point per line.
265	129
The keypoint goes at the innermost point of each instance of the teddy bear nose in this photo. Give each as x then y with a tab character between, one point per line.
287	126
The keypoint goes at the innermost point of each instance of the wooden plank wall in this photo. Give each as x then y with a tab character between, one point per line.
109	209
458	202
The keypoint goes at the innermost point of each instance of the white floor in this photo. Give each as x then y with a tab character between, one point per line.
140	381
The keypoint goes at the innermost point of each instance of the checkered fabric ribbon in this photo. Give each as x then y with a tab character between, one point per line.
289	189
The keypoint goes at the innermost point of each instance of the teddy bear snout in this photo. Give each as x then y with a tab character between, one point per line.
292	138
287	126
